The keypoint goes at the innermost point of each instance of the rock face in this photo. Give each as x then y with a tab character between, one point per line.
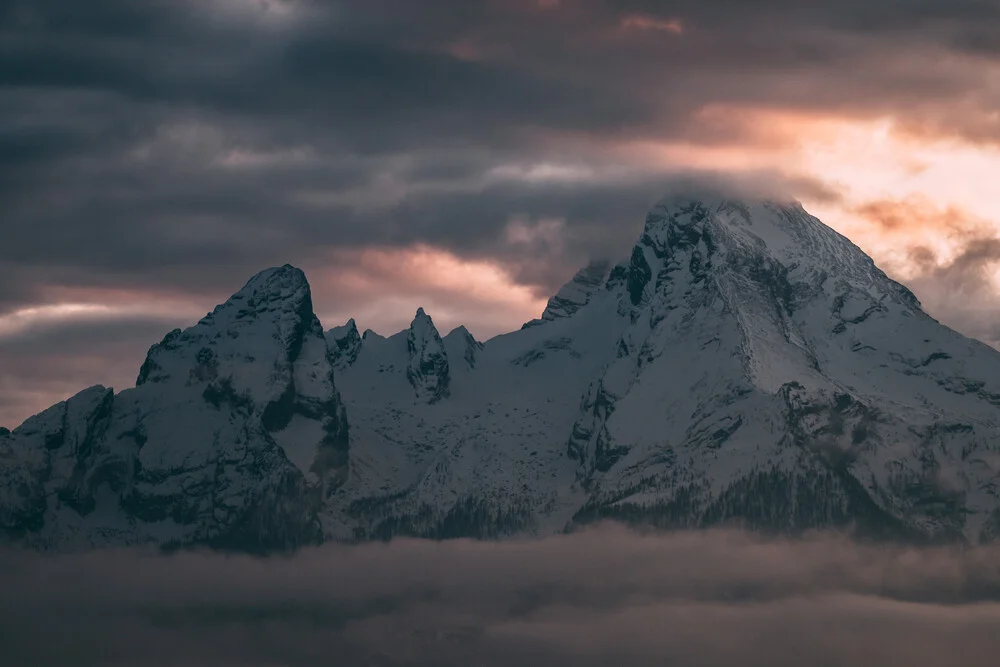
744	364
345	343
427	368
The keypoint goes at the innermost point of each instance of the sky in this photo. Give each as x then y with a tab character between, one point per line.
705	599
466	156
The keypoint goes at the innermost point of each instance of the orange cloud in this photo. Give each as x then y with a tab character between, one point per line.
917	213
928	238
950	260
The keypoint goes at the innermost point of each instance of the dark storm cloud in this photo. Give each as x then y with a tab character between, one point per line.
605	596
118	114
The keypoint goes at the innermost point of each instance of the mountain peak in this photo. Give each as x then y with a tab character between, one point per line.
271	286
428	369
714	197
422	326
462	331
274	305
348	327
286	273
275	290
715	232
577	292
460	343
345	343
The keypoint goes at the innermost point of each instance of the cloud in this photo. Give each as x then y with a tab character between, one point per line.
948	256
963	290
478	294
640	22
919	214
46	362
173	149
599	597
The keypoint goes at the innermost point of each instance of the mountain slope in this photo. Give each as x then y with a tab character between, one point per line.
745	363
803	386
575	294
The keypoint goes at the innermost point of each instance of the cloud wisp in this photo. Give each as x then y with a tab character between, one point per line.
604	596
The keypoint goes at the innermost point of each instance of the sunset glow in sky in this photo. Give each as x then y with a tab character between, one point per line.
464	156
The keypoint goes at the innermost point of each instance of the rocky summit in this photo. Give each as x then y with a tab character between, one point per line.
745	364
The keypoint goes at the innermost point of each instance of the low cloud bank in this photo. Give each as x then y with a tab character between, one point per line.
605	596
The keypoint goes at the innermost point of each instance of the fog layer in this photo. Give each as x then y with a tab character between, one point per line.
605	596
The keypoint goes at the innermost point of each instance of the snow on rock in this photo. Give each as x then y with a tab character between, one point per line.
577	292
345	343
59	450
427	370
772	374
744	363
461	345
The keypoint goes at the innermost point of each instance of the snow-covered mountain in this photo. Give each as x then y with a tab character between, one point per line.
232	436
745	363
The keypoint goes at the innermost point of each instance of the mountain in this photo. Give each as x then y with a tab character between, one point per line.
231	437
744	364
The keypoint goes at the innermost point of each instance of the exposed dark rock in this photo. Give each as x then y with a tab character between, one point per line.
428	370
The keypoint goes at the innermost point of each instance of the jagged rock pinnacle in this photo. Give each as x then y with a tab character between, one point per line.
345	343
427	369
